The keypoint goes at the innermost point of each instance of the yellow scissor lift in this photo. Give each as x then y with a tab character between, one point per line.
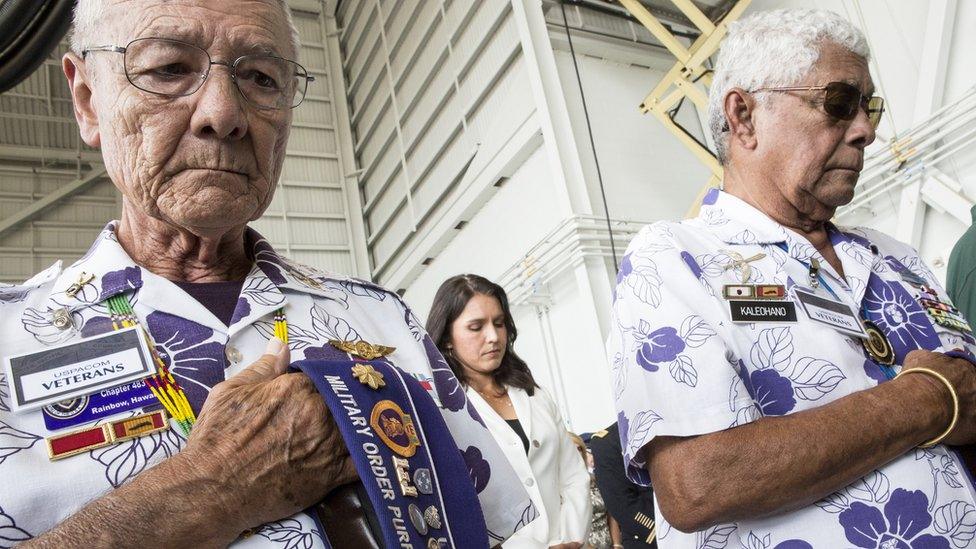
688	69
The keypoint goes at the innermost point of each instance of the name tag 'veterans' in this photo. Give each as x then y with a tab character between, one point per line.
835	314
762	311
55	374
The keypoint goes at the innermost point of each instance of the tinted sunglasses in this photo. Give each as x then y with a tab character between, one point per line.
841	100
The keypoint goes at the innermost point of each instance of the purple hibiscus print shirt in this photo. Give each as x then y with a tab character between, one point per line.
201	352
900	526
680	367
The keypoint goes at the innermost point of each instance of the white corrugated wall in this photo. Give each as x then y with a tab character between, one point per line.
39	154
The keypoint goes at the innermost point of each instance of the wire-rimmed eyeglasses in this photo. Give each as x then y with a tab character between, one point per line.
172	68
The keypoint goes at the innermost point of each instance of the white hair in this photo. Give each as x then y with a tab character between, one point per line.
772	49
88	16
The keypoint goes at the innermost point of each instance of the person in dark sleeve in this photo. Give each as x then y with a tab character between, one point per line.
961	273
632	506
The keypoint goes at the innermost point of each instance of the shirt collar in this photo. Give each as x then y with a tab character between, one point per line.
286	274
107	270
735	222
104	271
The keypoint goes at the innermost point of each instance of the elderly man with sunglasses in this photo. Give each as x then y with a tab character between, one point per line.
190	102
783	382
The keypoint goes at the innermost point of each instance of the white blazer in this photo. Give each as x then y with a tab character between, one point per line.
553	473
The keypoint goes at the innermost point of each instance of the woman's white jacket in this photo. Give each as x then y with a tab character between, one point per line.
553	473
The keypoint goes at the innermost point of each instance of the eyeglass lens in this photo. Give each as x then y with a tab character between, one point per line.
173	68
842	101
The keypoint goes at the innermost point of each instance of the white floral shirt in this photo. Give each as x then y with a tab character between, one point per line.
681	367
36	493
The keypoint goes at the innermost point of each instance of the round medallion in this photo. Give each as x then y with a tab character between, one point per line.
877	345
67	408
417	519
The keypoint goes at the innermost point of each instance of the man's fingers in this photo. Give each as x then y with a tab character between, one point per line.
272	364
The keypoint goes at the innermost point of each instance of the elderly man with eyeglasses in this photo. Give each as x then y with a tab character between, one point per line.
783	382
145	398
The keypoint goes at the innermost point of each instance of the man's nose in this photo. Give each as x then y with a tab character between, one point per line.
861	132
220	107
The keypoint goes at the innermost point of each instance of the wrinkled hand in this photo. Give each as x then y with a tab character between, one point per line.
266	442
962	374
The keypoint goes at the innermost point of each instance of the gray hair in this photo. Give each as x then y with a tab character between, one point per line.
771	49
88	15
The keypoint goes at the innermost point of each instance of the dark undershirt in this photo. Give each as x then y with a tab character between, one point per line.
220	298
517	427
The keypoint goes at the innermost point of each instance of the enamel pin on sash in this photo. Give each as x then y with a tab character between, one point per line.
367	375
395	428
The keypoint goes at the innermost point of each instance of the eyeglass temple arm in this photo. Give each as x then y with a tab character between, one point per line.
790	88
116	49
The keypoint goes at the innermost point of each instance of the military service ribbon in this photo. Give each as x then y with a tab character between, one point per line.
163	385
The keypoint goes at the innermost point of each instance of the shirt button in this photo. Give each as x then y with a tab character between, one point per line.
529	482
535	443
233	354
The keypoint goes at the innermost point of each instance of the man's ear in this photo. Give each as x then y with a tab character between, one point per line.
80	83
740	110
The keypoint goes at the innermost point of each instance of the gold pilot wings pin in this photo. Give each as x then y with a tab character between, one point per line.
362	349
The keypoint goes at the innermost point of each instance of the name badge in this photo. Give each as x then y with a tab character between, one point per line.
134	395
762	311
56	374
835	314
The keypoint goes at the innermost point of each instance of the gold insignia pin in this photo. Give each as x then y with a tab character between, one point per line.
395	428
363	349
367	375
402	468
741	263
83	279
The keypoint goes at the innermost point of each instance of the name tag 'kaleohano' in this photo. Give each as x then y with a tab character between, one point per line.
835	314
55	374
762	311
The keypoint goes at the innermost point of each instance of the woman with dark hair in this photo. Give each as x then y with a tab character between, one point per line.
473	327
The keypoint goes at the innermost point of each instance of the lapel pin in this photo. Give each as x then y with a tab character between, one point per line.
742	264
367	375
362	349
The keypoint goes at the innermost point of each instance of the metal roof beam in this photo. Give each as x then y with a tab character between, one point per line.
35	209
39	154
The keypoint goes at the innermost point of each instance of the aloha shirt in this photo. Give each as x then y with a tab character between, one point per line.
680	367
36	493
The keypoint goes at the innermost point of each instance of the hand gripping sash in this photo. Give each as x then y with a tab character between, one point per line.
408	461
